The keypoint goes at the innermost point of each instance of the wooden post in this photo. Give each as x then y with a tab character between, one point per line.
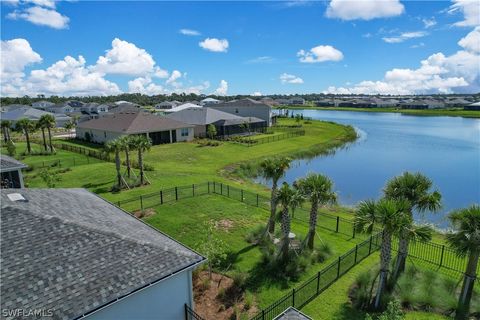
221	189
176	194
338	220
338	269
441	257
353	227
161	197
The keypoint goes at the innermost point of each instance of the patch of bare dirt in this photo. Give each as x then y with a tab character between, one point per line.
145	213
217	299
224	224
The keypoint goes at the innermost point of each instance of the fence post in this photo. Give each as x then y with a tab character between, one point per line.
208	186
353	227
257	199
293	297
214	191
118	204
176	194
441	257
338	268
161	197
370	246
356	251
318	282
228	191
193	190
141	202
241	193
221	189
263	314
338	220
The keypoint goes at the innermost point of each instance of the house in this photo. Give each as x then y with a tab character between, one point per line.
11	107
292	314
167	105
247	108
94	107
325	103
182	107
269	101
68	254
42	105
209	102
11	172
158	129
297	101
472	106
60	108
456	102
225	123
33	114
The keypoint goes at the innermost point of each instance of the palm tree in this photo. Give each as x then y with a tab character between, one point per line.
42	125
6	125
50	123
319	189
466	242
27	126
297	199
116	146
274	169
128	144
142	143
285	196
390	215
416	189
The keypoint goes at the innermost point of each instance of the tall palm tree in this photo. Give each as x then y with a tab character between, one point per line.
6	125
390	215
41	124
115	146
285	196
466	242
319	189
128	144
273	169
142	143
297	199
416	189
27	126
50	123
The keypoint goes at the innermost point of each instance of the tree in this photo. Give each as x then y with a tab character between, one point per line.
273	169
69	125
42	126
466	243
6	125
142	143
212	247
285	196
211	131
49	177
116	146
416	189
50	122
27	126
11	148
128	144
390	215
319	190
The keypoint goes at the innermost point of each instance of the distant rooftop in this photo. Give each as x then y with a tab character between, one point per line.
9	164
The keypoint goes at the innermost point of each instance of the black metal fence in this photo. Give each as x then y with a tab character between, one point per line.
63	162
99	154
314	286
191	315
249	141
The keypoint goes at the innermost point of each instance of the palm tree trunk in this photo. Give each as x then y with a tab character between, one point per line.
8	133
127	161
117	166
385	257
401	256
273	208
286	233
312	224
50	140
467	287
27	137
5	136
44	139
140	165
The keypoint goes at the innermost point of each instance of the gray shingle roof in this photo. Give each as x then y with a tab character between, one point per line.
204	116
247	102
70	251
30	113
8	164
292	314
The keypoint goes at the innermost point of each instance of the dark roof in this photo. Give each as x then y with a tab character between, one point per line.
70	251
292	314
205	115
9	164
30	113
133	122
247	102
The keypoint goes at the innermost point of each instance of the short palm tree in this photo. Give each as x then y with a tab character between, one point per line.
319	190
465	240
42	126
50	122
285	195
142	143
27	126
128	144
273	169
390	215
6	125
115	146
416	189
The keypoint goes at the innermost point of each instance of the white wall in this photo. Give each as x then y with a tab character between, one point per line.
97	136
164	300
187	138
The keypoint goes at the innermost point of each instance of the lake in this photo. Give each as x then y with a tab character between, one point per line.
446	149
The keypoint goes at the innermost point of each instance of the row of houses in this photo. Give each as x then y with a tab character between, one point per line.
399	102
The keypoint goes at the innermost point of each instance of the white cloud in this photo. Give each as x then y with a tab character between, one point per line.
290	78
174	76
144	85
214	44
222	88
262	59
257	94
189	32
428	23
419	45
125	58
41	16
320	54
364	9
42	3
405	36
471	42
160	73
16	54
470	10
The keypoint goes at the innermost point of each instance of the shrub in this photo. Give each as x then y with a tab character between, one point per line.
248	300
255	234
322	253
11	148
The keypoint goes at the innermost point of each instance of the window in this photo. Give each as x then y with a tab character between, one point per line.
105	134
184	132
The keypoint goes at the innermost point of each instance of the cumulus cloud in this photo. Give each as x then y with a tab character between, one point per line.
470	10
364	9
173	77
16	54
42	3
261	59
189	32
222	88
144	85
471	42
214	44
405	36
41	16
428	23
320	54
290	78
257	94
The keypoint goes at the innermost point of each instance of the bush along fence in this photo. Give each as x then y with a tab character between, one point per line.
314	286
99	154
62	163
436	254
249	141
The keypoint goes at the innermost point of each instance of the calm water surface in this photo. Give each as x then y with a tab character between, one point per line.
446	149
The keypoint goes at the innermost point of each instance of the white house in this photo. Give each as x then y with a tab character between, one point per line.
69	254
42	105
182	107
209	102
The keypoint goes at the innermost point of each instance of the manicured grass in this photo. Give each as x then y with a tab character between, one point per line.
453	112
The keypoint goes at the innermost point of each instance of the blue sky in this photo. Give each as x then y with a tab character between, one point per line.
348	46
